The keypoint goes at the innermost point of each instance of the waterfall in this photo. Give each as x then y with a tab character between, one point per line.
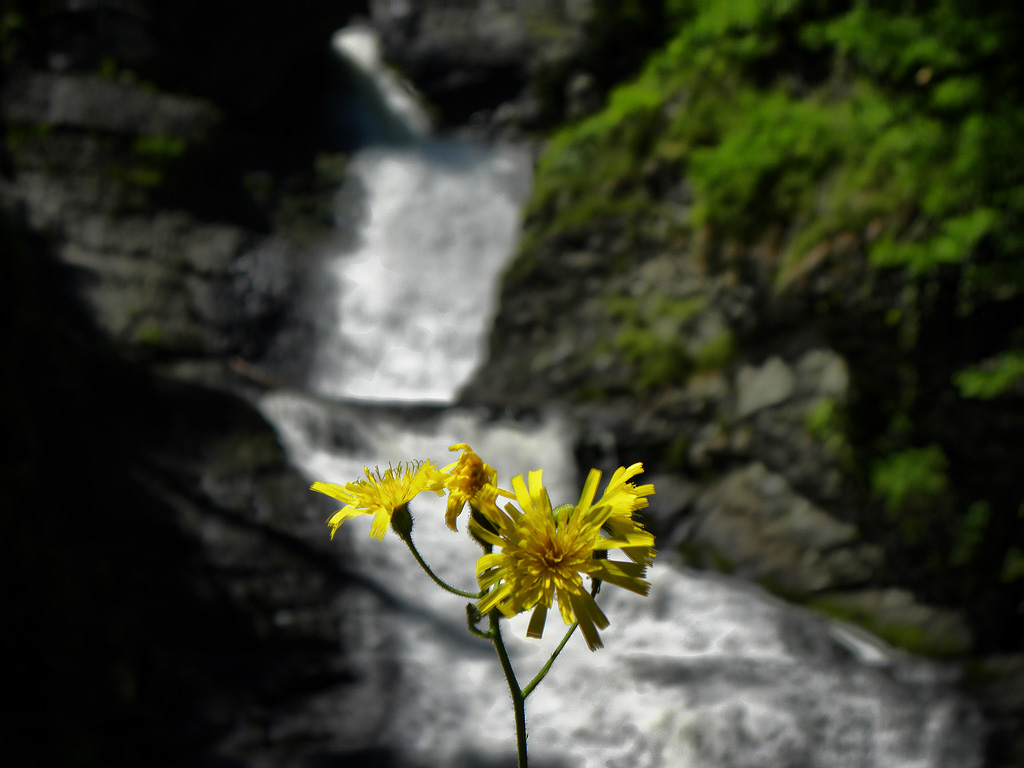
706	672
415	293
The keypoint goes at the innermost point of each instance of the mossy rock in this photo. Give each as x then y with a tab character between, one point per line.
897	617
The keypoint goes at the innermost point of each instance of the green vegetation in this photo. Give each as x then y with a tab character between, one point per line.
12	25
973	526
991	378
911	484
159	147
828	422
888	132
909	637
656	336
911	478
859	161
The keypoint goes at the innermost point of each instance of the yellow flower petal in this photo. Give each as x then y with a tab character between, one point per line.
546	553
470	481
380	494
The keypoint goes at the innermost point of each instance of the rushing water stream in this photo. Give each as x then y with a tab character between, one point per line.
706	672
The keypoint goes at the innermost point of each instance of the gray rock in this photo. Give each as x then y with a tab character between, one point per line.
666	513
823	373
753	520
762	387
898	616
94	103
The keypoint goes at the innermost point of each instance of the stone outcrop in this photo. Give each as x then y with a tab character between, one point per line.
179	603
754	522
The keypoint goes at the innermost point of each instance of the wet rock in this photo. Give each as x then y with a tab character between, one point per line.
90	102
156	280
666	515
898	616
476	63
822	373
763	386
756	523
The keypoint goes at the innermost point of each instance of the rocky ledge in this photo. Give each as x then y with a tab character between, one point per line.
179	603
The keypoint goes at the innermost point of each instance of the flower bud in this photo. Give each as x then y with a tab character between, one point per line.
401	522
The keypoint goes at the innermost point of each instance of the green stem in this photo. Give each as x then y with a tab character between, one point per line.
518	700
544	670
434	577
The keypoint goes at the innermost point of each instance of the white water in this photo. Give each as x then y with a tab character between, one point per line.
706	672
415	295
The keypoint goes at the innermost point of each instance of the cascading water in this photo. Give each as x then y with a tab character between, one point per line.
705	673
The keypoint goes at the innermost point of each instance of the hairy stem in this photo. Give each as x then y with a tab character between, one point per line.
518	700
544	670
434	577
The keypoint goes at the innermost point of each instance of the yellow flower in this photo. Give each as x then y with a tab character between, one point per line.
381	495
624	499
470	481
545	553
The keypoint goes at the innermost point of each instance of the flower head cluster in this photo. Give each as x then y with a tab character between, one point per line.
470	481
381	494
545	553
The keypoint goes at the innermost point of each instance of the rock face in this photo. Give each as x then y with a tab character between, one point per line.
88	159
179	603
477	63
756	523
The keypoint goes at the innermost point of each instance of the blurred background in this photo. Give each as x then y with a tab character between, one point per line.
773	250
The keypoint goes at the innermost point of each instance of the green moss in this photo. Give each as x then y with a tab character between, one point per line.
991	378
149	334
909	637
716	352
828	422
864	159
652	337
1013	566
913	477
144	176
12	29
910	484
908	140
159	147
765	167
19	135
972	528
590	393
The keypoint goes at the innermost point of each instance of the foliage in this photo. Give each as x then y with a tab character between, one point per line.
911	139
828	421
759	137
992	377
910	479
655	337
12	25
159	147
973	526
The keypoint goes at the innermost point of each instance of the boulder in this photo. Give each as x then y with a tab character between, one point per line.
755	524
901	618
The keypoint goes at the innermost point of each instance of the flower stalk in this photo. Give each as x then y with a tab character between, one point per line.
518	699
434	577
